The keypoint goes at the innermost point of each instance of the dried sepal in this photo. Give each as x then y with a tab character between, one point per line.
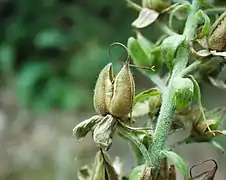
85	126
103	132
103	169
123	94
103	91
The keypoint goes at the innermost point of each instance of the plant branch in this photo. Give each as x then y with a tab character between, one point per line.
190	68
129	135
167	109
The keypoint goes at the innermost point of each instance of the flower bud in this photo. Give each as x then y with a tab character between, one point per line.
184	89
217	37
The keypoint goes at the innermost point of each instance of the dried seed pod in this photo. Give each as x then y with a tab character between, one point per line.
103	91
217	37
123	94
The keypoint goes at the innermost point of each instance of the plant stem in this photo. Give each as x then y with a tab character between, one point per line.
129	135
167	109
190	68
165	28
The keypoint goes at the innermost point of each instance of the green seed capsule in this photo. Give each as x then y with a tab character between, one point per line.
103	91
123	94
217	37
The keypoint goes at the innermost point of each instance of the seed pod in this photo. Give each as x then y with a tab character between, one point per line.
103	90
184	89
217	37
123	94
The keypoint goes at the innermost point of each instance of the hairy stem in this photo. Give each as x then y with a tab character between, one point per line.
167	109
129	135
190	68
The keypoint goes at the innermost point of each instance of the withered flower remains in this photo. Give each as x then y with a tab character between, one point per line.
113	101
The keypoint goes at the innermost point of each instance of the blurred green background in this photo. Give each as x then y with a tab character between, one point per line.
51	52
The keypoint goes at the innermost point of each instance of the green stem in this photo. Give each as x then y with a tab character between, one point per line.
134	5
167	109
190	68
129	135
165	28
192	21
215	10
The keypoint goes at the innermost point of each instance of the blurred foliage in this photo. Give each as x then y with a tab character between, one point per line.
52	50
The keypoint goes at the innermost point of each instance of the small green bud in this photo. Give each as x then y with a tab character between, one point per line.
184	90
159	5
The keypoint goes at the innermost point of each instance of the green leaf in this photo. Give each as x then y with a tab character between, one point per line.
156	59
145	44
178	12
197	95
169	48
140	58
146	94
207	25
178	161
145	18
